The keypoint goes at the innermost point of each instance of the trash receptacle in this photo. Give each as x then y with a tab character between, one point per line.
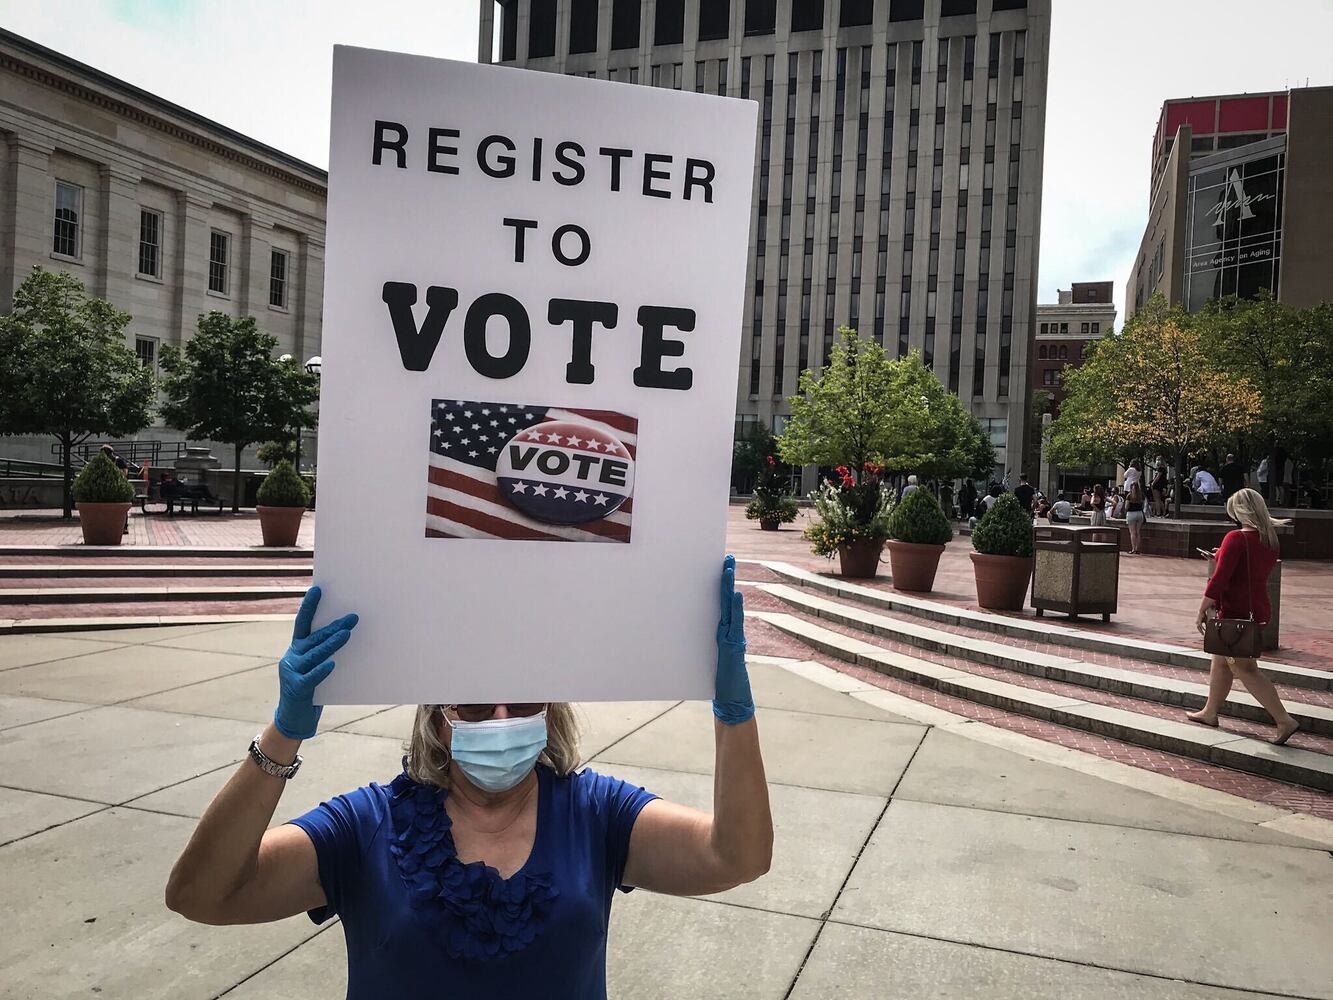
1076	571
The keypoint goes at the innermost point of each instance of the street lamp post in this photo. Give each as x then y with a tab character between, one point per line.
313	366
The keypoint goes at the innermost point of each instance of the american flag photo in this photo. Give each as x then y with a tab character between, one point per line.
534	473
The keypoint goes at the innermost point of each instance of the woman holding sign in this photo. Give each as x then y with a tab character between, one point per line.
489	865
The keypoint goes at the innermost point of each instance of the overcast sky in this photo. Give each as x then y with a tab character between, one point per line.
262	67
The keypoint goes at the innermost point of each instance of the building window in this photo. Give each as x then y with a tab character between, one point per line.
669	23
583	26
1064	329
69	211
625	16
1041	351
907	10
541	29
1084	329
761	16
714	20
219	245
1096	329
1043	332
277	279
854	12
1064	352
807	15
150	243
146	349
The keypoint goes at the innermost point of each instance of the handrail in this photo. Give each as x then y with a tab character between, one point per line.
19	467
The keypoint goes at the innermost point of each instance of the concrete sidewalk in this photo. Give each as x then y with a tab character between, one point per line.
916	855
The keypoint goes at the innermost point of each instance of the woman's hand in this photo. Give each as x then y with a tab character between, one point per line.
305	664
1201	621
732	701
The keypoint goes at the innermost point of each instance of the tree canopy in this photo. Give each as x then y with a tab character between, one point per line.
865	408
65	369
1155	385
227	386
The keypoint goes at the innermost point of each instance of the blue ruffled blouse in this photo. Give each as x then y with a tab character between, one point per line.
419	922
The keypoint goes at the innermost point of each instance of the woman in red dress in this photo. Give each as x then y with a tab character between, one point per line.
1237	589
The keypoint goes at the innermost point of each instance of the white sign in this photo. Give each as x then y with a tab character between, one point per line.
532	315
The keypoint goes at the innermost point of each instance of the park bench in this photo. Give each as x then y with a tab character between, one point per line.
184	495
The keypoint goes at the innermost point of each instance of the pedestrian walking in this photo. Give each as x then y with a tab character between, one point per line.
1159	488
911	486
487	868
967	499
1233	477
1238	589
1261	477
1098	505
1134	517
1024	493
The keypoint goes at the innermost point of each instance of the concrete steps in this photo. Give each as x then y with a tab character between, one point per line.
156	551
120	569
1035	630
1164	690
1218	746
145	594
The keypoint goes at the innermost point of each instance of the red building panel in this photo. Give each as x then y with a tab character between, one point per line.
1201	116
1243	114
1280	111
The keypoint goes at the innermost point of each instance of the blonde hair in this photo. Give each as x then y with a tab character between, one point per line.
428	756
1247	507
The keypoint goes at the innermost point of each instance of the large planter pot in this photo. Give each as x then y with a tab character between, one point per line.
103	523
1002	581
914	565
770	523
280	525
860	558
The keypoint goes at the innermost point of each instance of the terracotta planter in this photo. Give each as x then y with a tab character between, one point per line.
860	558
103	523
1002	581
280	525
914	565
770	523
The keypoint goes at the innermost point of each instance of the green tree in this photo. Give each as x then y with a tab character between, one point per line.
750	455
1152	386
65	369
226	386
865	408
1287	355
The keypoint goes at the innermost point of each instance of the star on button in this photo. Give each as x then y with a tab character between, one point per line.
580	496
468	414
532	435
573	442
520	487
600	500
485	413
593	444
554	438
490	451
472	454
560	493
539	491
464	441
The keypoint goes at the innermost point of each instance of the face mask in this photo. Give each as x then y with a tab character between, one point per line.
498	753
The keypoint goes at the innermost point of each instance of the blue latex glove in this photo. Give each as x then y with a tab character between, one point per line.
732	702
304	665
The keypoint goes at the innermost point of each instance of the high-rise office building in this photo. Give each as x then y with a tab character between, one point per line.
898	175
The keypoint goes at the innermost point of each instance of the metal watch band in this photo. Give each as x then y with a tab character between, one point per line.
270	766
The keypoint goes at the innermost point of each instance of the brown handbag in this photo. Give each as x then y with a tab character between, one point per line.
1233	637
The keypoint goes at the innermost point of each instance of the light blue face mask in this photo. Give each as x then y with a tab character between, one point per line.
497	754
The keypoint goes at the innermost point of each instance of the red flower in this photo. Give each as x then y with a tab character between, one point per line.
841	470
770	460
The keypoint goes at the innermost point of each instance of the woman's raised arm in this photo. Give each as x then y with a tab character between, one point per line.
234	869
685	852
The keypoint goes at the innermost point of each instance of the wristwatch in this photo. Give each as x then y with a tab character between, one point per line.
270	766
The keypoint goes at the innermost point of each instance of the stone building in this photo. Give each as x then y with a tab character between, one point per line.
897	180
162	212
1083	314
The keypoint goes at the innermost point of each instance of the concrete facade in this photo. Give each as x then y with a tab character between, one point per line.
1234	166
898	174
138	167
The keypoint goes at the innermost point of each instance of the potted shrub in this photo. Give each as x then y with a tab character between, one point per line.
103	496
918	532
1002	562
281	502
772	504
853	521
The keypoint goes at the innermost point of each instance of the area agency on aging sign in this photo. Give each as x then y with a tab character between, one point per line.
533	302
